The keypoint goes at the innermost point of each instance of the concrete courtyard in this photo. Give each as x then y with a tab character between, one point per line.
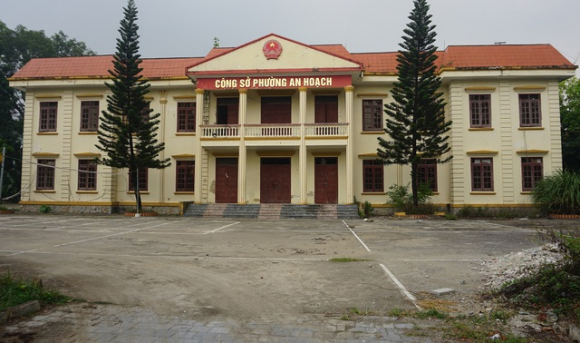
174	279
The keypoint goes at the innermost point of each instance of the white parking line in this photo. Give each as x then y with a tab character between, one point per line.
273	260
391	275
357	237
221	228
401	287
115	234
22	252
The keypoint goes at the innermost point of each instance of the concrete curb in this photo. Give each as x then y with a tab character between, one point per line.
19	311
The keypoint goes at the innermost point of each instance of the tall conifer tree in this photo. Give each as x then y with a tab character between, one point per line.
416	119
127	129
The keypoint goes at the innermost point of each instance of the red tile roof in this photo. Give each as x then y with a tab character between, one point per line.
98	66
504	56
335	49
379	63
217	51
542	56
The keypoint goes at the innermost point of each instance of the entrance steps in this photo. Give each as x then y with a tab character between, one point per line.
272	211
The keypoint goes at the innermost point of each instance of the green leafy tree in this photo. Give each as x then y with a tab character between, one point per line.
17	47
570	116
127	130
416	119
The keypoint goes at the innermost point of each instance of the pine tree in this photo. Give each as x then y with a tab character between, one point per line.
416	119
127	129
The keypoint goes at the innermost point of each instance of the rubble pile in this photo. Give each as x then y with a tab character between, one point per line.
501	270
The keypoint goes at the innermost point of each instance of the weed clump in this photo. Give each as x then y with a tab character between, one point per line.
554	285
347	259
14	292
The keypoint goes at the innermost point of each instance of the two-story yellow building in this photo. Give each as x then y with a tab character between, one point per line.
275	121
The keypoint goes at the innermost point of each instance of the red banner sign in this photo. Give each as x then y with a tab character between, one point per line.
274	82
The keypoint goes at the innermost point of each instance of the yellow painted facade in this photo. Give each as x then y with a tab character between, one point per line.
302	141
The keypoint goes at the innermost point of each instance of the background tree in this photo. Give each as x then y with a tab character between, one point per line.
416	119
570	117
17	47
127	129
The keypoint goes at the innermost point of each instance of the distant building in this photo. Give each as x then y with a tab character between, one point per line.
279	121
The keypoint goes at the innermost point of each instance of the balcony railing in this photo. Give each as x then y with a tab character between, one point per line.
221	131
272	130
326	130
257	131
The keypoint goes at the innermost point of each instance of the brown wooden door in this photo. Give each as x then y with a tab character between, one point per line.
227	111
326	180
326	109
275	180
226	180
276	110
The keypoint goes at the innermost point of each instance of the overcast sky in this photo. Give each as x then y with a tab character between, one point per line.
186	28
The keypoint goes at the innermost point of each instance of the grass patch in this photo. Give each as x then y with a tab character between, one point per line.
14	292
432	313
479	329
440	305
396	312
358	312
354	312
463	328
347	259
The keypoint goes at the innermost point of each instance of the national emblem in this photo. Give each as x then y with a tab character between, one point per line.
272	49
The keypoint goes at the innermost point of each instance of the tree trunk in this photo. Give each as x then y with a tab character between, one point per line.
137	194
414	184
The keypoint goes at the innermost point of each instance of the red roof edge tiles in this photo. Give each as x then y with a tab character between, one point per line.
98	67
465	57
537	56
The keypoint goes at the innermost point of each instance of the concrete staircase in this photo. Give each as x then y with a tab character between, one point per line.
272	211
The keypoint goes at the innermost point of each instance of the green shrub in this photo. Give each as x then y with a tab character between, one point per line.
45	209
368	209
364	210
558	193
402	199
473	212
450	216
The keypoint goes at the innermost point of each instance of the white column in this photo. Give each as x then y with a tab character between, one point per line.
302	153
348	94
242	164
197	145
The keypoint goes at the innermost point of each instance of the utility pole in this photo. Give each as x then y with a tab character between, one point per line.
2	158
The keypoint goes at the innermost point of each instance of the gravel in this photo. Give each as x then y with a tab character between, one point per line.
505	269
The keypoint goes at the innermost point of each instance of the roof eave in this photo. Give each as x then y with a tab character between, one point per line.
254	72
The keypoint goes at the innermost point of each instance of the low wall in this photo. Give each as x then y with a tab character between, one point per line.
76	209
